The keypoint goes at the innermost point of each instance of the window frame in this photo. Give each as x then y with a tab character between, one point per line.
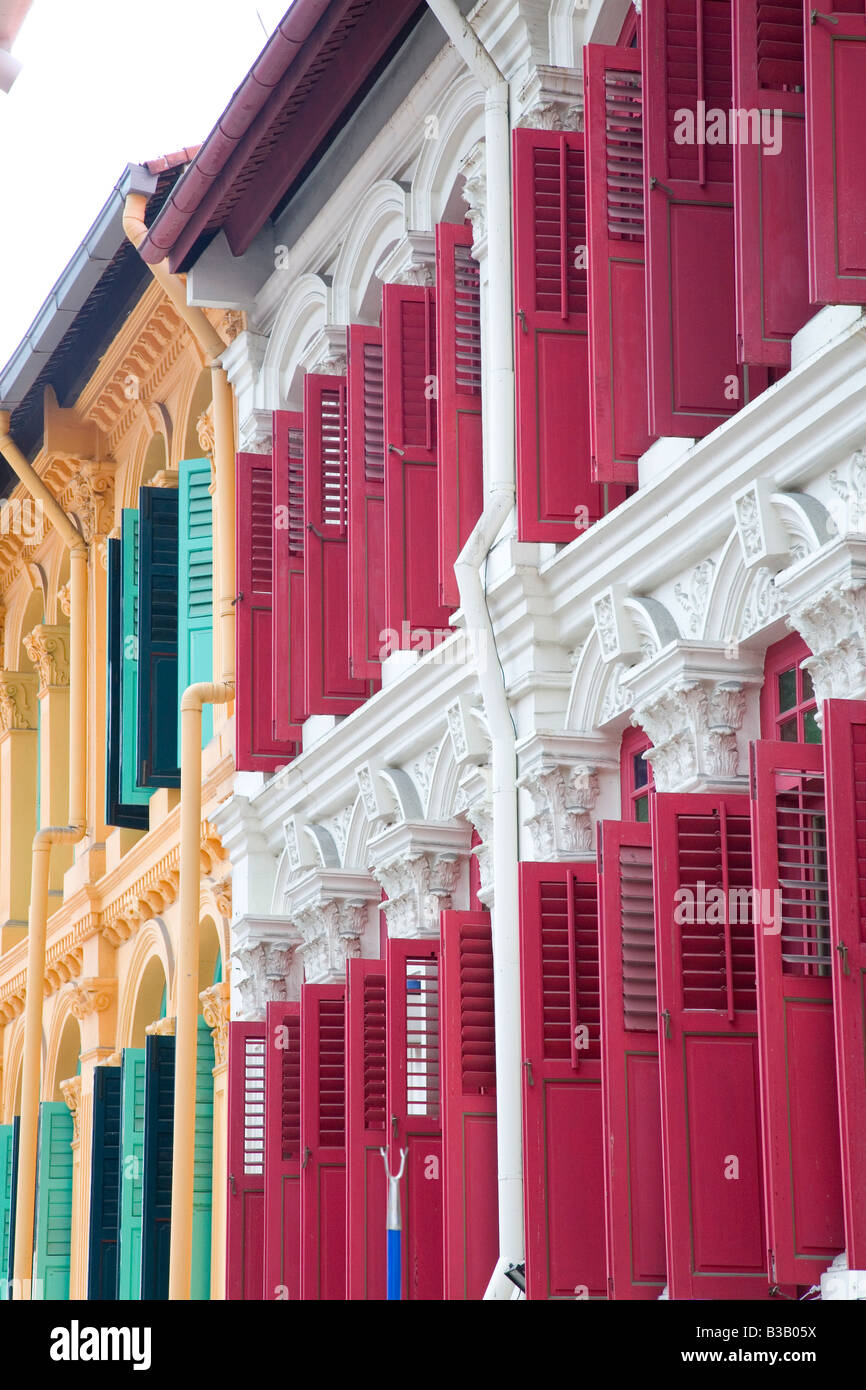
785	655
634	742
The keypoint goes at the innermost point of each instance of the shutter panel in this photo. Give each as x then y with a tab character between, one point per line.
634	1199
157	1167
133	814
562	1118
13	1199
323	1141
289	711
552	364
615	243
365	387
283	1151
257	749
845	744
104	1215
470	1164
328	685
458	376
411	543
51	1246
414	1107
131	794
366	1130
157	639
835	114
709	1055
245	1225
196	591
802	1177
131	1173
202	1194
7	1153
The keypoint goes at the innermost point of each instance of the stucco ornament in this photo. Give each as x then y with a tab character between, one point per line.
215	1009
563	797
693	727
71	1093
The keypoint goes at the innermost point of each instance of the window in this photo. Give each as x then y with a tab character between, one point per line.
788	704
636	776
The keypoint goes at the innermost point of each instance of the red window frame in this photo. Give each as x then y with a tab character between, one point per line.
791	723
632	790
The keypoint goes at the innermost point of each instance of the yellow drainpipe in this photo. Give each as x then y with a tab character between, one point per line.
42	843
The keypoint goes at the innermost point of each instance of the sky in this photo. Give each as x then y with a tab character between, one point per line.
105	83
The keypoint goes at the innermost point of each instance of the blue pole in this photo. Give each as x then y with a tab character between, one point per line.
394	1230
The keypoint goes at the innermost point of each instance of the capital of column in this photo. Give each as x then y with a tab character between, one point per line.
331	909
561	775
18	700
411	262
215	1008
262	954
825	594
47	645
421	865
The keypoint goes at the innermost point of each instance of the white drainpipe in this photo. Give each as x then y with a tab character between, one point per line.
499	503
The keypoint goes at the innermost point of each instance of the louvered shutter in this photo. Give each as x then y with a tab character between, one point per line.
835	116
245	1224
802	1177
708	1045
615	244
157	1166
131	793
157	745
195	592
202	1186
133	814
458	377
53	1234
131	1173
366	1130
562	1121
283	1151
104	1214
365	387
7	1151
634	1199
328	685
323	1141
845	766
288	707
469	1104
411	543
13	1199
257	749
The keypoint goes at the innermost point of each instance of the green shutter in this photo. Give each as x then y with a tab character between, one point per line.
53	1202
195	584
7	1148
203	1171
131	1170
130	793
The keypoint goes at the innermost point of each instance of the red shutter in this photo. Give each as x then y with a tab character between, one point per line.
414	1108
458	372
256	747
323	1141
283	1151
634	1197
329	687
615	228
553	443
562	1121
288	673
835	118
845	753
469	1104
245	1218
366	502
366	1129
716	1245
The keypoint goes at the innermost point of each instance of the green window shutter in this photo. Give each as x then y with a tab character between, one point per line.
130	793
7	1143
195	585
53	1202
131	1171
203	1170
156	743
119	755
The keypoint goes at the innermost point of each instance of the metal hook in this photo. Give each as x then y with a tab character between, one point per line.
394	1177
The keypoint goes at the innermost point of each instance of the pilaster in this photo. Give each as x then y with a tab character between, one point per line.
825	594
18	764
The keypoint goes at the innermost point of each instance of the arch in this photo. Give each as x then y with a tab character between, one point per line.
12	1071
303	312
156	457
378	223
357	835
149	972
64	1051
442	799
199	400
30	612
451	131
209	951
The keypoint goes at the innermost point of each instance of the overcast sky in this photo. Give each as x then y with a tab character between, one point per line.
105	83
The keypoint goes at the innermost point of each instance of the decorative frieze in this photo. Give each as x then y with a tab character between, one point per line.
216	1011
421	865
18	700
47	645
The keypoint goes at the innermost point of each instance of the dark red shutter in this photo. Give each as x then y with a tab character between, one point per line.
288	551
245	1218
366	1130
458	372
615	238
634	1197
283	1151
562	1121
469	1104
323	1141
365	386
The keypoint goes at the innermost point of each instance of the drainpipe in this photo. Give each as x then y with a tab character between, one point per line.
44	839
469	567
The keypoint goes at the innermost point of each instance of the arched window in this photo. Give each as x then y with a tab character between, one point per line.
788	701
636	776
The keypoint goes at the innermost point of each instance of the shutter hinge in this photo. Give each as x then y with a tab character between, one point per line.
843	952
233	1184
666	1020
528	1064
237	599
521	314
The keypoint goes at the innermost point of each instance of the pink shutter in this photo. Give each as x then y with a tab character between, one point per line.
256	747
329	687
469	1104
835	118
555	493
245	1217
366	1129
288	620
414	1108
283	1151
562	1119
458	372
845	763
323	1141
615	239
365	387
634	1197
